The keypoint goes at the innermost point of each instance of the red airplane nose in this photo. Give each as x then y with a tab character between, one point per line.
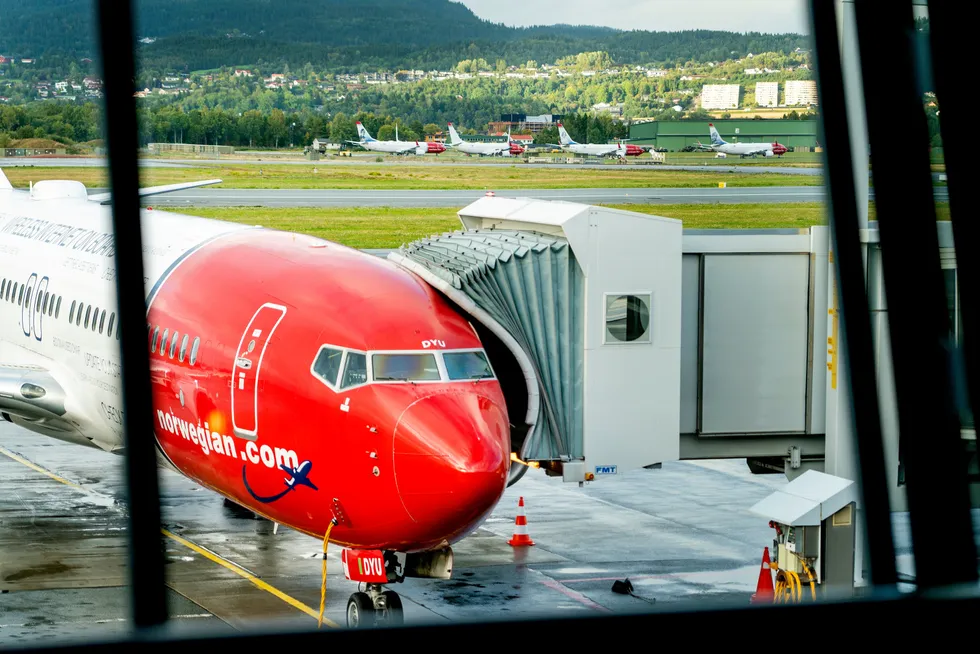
451	457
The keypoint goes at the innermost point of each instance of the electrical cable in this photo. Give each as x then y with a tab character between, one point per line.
323	583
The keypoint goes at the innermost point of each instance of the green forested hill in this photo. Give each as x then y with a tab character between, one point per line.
348	35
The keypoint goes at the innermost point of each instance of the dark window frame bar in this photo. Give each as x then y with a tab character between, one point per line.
146	549
920	332
947	68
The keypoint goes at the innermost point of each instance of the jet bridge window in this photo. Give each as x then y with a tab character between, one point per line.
355	372
627	318
327	365
405	367
467	365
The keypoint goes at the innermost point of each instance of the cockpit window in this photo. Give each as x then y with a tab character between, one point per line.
327	364
356	370
467	365
405	367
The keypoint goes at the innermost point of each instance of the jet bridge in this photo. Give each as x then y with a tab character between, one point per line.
623	341
580	310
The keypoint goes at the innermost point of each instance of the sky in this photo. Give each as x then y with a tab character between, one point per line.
654	15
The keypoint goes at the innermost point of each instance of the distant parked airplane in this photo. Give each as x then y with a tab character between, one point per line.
742	149
368	142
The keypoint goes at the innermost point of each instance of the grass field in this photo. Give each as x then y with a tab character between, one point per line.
384	227
421	177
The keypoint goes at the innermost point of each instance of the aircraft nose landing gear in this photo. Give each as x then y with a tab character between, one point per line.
373	606
376	607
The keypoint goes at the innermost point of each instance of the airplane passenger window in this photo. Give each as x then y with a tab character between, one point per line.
95	319
71	313
88	315
405	367
3	287
163	342
102	321
173	346
78	316
194	349
44	305
112	319
327	364
183	348
25	301
156	335
467	365
356	370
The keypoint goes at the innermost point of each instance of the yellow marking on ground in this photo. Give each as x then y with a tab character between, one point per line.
19	459
295	603
211	556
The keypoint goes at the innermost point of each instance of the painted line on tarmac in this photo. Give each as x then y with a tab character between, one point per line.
575	595
211	556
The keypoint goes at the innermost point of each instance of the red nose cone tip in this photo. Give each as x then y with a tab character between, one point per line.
451	457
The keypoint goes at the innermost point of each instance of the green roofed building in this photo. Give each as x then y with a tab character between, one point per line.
675	135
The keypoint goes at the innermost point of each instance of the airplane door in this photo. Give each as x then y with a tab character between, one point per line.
26	315
37	311
245	372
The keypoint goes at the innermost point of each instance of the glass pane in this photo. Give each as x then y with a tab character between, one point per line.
467	365
356	371
327	364
405	367
628	318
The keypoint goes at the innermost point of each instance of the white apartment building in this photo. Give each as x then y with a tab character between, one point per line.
801	92
767	94
719	96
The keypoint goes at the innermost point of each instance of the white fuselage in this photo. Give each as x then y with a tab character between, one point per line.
743	148
391	147
61	252
596	149
486	149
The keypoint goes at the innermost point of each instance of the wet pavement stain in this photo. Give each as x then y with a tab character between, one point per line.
40	570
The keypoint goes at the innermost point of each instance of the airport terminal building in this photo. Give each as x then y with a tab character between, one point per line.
675	135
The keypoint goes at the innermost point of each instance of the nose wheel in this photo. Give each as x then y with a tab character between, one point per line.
375	607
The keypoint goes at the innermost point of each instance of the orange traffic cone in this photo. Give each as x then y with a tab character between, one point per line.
520	538
764	591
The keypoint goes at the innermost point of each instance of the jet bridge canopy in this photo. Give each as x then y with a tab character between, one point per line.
584	302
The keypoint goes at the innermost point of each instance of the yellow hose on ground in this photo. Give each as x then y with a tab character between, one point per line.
323	584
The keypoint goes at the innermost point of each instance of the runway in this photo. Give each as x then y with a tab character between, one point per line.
682	534
217	197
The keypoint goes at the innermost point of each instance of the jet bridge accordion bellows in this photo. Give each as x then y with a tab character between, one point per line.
528	289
